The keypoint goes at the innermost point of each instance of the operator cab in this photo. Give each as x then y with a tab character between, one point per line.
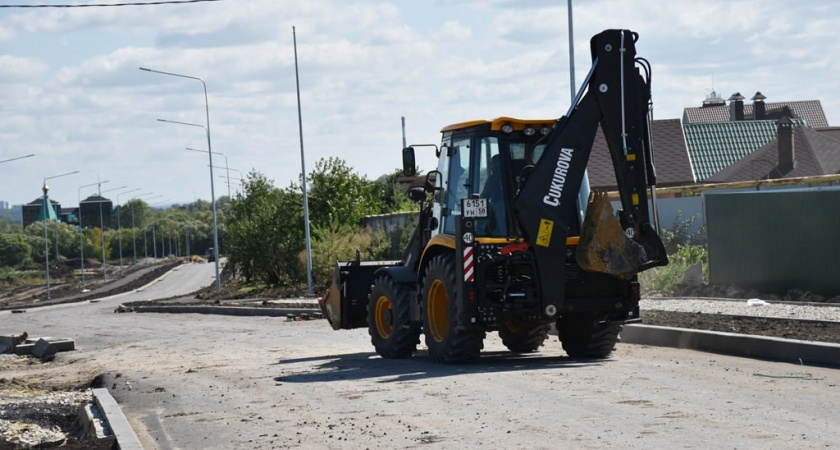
487	159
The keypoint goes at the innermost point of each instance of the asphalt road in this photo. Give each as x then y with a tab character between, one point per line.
190	381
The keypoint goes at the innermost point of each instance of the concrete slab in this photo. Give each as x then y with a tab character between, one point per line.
23	349
8	343
43	349
93	422
117	422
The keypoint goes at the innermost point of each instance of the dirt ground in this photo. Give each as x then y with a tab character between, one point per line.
47	414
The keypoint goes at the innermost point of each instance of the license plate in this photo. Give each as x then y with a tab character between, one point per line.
475	207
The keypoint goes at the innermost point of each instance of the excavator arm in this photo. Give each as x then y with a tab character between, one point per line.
617	98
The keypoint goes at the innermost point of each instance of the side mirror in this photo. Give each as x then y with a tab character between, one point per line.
431	181
417	194
409	166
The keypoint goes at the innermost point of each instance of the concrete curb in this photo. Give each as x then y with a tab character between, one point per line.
126	438
225	310
743	345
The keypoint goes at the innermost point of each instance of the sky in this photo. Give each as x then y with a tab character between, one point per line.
73	94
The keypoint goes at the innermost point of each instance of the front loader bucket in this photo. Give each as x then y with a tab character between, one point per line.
330	303
345	302
604	247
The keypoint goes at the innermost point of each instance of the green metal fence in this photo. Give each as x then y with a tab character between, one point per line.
776	240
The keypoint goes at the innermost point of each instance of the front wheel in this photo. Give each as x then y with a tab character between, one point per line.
392	332
447	343
587	335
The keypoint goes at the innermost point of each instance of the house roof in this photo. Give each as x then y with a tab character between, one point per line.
809	110
40	201
96	199
830	131
716	145
815	153
673	166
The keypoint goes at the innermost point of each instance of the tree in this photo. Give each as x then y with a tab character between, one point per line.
391	196
63	240
339	196
140	213
264	227
14	250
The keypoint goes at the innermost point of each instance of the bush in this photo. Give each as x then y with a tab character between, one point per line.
14	250
667	280
684	249
680	235
339	243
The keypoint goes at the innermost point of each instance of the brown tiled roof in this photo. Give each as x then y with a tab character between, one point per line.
673	167
809	110
815	153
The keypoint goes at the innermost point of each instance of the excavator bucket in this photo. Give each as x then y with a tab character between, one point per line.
604	247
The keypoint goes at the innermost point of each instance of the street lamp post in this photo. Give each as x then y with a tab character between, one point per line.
212	198
154	242
154	237
227	168
81	230
187	241
303	175
210	155
46	216
133	229
102	229
119	225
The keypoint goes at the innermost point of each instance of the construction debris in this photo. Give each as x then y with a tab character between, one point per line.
43	348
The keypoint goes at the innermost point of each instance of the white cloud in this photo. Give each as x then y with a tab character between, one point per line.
74	95
6	33
16	69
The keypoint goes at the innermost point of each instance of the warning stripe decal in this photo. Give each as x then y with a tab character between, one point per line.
468	264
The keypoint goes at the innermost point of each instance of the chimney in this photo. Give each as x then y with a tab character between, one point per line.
736	106
787	153
759	108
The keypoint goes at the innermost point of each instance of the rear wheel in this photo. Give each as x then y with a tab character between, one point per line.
446	343
392	332
587	335
523	337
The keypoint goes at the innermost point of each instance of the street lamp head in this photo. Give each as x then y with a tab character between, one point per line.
183	123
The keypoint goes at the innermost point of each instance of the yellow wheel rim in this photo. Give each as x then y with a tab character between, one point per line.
438	311
384	324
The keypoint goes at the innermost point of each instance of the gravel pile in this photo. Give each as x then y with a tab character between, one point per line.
751	307
30	417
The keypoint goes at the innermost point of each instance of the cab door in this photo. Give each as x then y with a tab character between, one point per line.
454	167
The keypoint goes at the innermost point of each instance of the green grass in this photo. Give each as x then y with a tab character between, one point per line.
247	289
666	280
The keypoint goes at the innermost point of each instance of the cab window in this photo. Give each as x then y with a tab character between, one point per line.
457	185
